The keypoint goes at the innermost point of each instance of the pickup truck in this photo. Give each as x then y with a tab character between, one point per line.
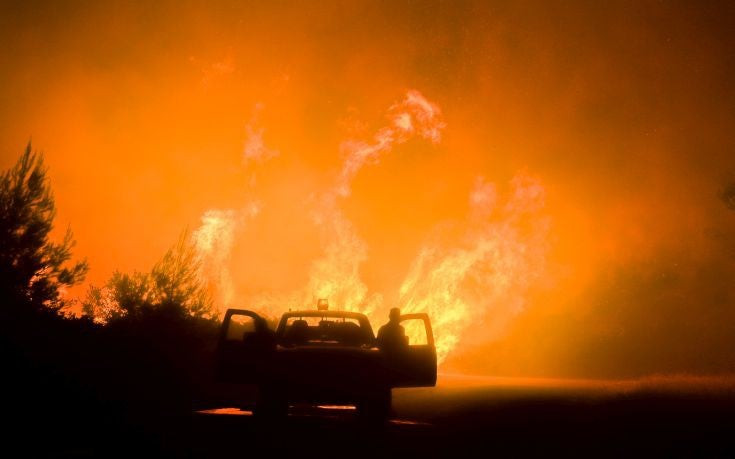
322	357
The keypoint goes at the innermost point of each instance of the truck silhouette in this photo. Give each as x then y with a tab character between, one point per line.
322	357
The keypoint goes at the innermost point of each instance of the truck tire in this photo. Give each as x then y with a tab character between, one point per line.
375	407
270	404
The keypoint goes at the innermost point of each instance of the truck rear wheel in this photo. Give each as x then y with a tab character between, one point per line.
375	407
270	404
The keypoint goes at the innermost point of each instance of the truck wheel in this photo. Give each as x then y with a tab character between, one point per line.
270	405
375	407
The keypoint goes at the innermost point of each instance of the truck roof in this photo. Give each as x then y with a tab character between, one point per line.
325	313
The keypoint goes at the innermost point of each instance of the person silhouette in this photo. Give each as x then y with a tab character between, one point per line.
261	338
392	336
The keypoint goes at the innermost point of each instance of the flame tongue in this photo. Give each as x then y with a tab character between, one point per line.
337	274
470	288
487	277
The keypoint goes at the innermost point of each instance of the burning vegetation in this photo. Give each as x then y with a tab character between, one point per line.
471	284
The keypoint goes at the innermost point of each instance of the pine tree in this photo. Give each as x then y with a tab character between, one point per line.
33	269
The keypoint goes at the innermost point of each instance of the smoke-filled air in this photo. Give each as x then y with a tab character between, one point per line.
555	188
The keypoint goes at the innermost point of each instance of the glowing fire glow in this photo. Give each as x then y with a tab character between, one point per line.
213	241
483	280
294	143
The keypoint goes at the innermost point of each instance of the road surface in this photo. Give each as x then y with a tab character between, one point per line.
508	416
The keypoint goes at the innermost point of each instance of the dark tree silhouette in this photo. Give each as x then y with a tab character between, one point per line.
173	284
141	371
176	280
33	270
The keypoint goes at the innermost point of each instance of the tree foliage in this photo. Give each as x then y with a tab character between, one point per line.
173	284
33	270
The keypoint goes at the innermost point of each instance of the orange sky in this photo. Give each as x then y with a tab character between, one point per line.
622	114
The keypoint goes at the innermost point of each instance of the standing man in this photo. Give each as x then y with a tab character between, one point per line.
392	336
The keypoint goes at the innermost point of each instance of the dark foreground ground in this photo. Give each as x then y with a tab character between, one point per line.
462	416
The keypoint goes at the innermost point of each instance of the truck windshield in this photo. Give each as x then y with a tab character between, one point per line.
307	330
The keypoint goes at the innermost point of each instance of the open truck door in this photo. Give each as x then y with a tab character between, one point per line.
245	347
417	363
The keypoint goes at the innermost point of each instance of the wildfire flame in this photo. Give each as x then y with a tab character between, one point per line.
470	289
481	283
337	274
213	241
